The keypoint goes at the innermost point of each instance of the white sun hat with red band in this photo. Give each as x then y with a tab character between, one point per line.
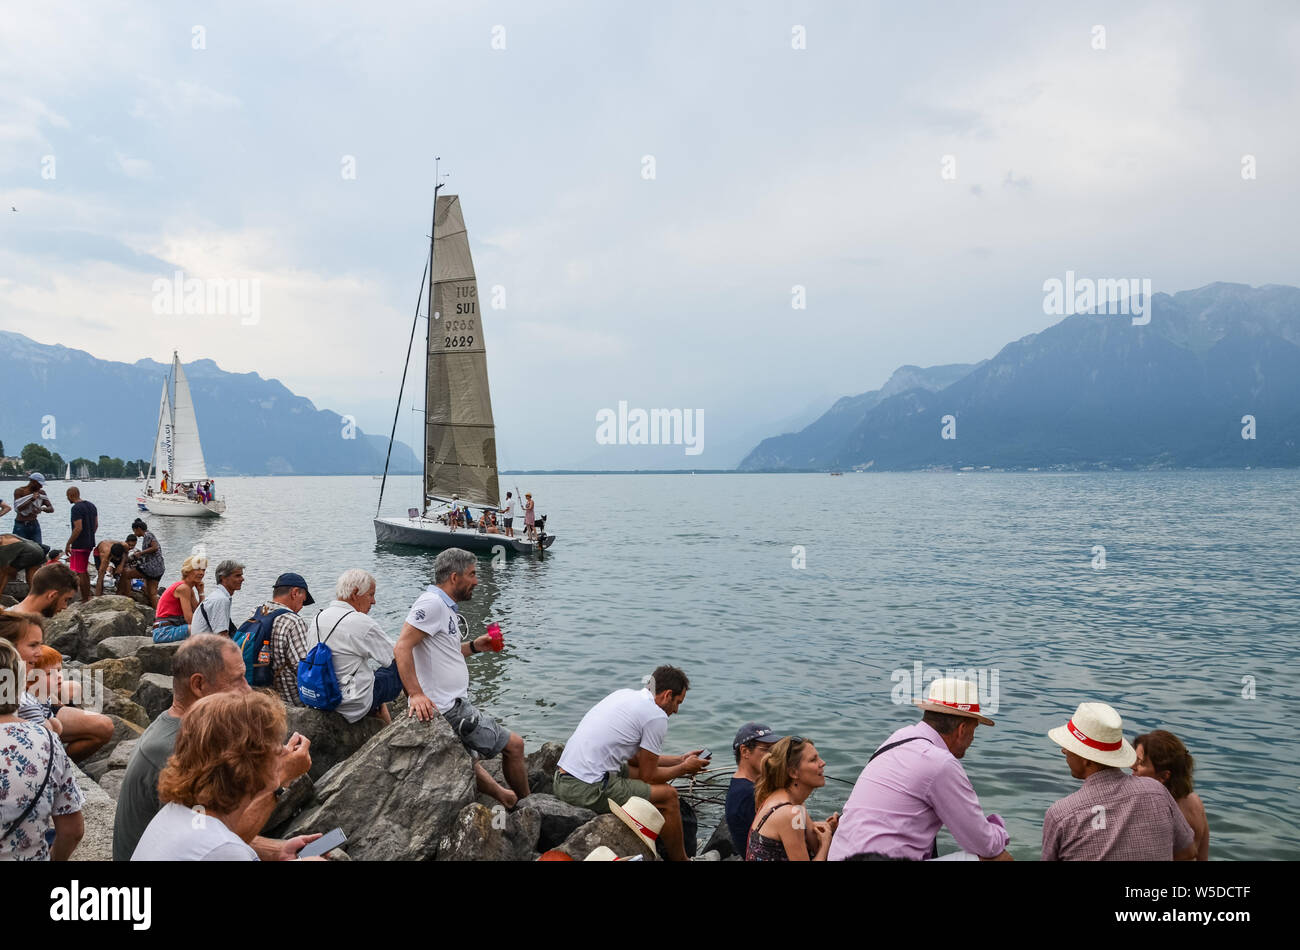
642	817
1096	732
956	698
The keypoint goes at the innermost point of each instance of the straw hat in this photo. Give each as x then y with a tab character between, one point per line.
642	817
955	698
601	853
1096	732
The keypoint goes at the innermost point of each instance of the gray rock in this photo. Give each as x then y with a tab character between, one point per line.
96	767
103	624
121	673
121	755
720	840
558	819
118	703
16	588
491	834
66	632
332	737
610	831
157	657
98	813
541	764
111	782
398	795
301	790
153	694
115	648
123	731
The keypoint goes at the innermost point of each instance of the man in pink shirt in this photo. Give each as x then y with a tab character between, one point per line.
897	806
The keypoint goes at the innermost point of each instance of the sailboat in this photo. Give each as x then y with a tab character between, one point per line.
67	473
177	454
460	454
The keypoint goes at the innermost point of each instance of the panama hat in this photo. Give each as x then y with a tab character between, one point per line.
601	853
642	817
1096	733
954	697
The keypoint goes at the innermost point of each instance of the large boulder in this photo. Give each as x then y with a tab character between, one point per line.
103	624
398	795
157	657
121	673
541	764
114	648
119	703
111	782
66	632
491	834
76	631
558	819
98	813
299	792
121	755
153	694
720	841
332	737
96	765
610	831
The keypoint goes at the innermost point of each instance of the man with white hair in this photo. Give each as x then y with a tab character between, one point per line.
213	615
358	643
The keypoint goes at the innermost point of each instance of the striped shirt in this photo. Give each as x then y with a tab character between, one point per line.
1116	816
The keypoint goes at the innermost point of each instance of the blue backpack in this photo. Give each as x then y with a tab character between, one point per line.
254	641
318	685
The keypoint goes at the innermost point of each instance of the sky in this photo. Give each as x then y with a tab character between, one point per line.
644	186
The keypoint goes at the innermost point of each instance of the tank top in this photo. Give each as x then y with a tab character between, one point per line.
168	605
765	849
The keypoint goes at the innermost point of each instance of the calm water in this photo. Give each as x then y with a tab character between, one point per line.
989	572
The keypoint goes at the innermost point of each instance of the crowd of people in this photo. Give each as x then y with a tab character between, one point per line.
203	491
493	520
221	749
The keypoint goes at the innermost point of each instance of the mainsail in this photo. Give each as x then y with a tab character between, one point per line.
162	460
187	452
460	438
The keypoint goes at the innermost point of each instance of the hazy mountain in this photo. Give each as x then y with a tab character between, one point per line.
248	425
1096	391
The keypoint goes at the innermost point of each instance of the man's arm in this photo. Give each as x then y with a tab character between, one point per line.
418	704
958	807
68	831
652	770
76	533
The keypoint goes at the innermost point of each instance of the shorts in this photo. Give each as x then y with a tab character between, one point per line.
171	634
21	555
30	530
509	522
79	560
596	795
478	732
388	686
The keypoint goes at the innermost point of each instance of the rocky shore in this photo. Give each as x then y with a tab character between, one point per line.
401	792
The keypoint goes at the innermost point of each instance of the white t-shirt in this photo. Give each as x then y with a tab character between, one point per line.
358	638
509	508
217	608
439	665
611	733
178	833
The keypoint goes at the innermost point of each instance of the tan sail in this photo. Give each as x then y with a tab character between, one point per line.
460	436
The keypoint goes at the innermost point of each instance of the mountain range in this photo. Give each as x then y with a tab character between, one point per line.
1213	380
248	425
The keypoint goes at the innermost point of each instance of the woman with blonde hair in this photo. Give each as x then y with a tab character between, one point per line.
1162	756
180	601
782	830
218	788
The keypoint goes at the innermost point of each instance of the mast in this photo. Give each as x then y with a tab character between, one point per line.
428	324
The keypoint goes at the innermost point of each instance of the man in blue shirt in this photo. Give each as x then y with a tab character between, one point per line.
85	522
752	744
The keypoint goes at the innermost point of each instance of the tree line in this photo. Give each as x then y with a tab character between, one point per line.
37	458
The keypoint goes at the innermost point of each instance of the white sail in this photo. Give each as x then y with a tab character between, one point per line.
187	452
67	473
162	446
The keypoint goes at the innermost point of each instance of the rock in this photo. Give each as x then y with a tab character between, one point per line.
96	767
103	624
153	694
111	782
157	657
122	731
77	630
121	673
558	819
16	588
720	841
332	737
301	790
541	767
114	648
122	754
491	834
610	831
118	703
98	813
66	632
398	795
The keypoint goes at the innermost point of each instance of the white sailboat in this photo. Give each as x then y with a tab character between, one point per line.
460	456
177	456
67	473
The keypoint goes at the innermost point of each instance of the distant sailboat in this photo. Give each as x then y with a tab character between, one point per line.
178	454
67	473
460	456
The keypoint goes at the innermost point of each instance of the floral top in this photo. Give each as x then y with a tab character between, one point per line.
24	752
150	565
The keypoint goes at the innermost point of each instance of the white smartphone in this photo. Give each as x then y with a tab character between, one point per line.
323	844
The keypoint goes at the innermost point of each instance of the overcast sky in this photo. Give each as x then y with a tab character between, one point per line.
773	167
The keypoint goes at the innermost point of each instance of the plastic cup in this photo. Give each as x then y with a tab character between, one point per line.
494	635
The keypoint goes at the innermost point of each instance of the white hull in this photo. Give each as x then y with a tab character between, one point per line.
180	506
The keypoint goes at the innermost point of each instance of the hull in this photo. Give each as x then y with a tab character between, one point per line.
429	534
180	506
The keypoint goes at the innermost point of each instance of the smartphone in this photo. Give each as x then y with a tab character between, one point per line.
326	842
706	754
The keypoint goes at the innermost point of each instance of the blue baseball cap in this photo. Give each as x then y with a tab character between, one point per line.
755	732
295	580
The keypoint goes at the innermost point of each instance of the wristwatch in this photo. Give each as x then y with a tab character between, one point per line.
472	648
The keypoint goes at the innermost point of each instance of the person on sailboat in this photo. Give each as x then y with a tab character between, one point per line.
508	515
162	485
29	502
530	520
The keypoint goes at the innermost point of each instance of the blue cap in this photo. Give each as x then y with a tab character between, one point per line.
755	732
295	580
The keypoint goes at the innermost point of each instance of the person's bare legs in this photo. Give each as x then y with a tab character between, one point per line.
84	732
83	583
664	797
7	574
489	786
151	591
514	767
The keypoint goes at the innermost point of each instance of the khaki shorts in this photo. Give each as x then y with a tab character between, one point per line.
596	795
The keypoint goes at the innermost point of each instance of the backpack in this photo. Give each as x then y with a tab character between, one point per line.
254	641
318	684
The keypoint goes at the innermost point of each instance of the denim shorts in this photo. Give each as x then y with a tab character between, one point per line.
477	731
172	634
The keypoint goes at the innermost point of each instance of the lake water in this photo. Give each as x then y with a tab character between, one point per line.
1191	625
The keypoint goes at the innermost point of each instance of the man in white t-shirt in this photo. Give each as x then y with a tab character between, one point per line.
616	754
213	614
431	663
508	515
